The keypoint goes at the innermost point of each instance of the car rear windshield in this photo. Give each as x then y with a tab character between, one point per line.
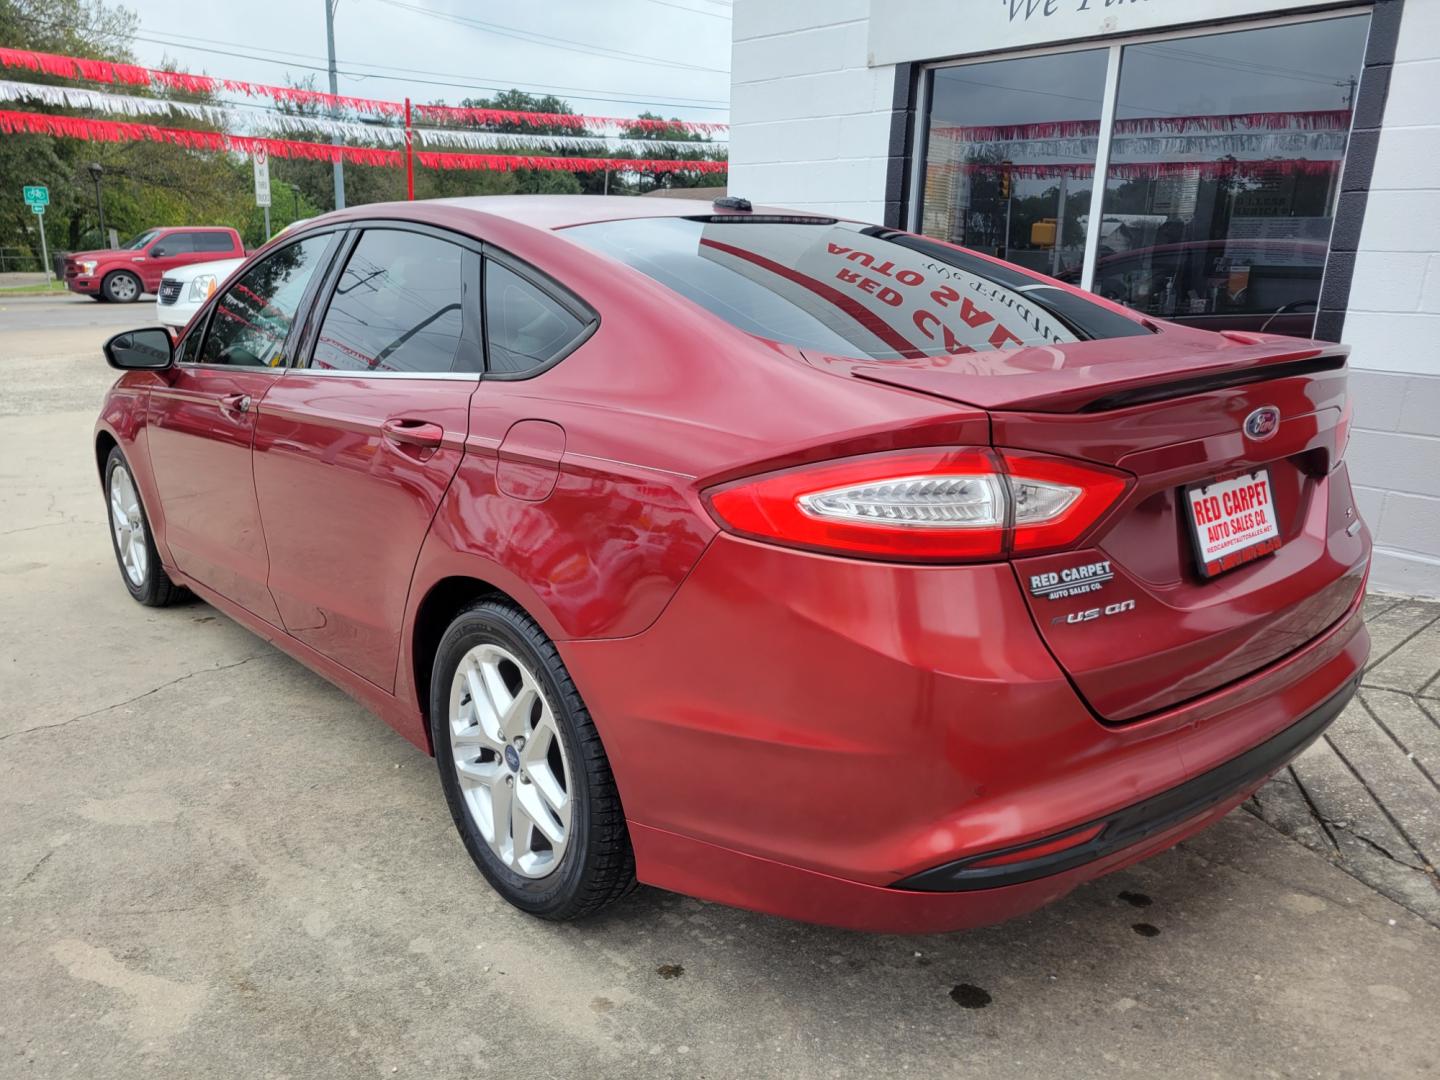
851	290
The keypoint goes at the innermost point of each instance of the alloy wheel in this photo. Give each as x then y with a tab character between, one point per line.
509	758
129	525
124	288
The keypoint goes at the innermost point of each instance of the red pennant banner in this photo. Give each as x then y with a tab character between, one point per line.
1152	170
74	67
1312	120
77	127
510	162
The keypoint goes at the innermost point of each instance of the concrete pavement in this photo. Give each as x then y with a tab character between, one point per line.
1367	795
212	863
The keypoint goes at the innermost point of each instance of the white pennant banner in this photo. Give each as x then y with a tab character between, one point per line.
299	125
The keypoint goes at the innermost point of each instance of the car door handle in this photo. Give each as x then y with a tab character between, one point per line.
235	403
413	433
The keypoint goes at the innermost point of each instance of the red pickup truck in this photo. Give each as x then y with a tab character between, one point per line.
121	276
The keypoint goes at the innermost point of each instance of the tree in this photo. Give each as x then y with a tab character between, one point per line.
87	28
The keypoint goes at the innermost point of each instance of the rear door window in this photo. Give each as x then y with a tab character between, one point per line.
398	306
526	327
213	241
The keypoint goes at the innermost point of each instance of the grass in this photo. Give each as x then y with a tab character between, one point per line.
32	290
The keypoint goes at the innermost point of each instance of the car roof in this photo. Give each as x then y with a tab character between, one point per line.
562	211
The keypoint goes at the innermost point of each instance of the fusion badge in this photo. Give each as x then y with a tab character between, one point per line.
1072	581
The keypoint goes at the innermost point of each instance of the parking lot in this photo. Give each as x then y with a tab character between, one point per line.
216	864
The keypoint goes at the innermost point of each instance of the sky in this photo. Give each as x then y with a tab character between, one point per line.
606	57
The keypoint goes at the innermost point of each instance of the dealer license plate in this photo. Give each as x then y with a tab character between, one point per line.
1232	520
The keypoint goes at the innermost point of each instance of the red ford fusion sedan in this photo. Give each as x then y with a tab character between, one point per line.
800	564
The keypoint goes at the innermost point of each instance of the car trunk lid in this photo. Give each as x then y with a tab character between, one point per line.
1129	614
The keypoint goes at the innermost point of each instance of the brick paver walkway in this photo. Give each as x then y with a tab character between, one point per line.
1367	795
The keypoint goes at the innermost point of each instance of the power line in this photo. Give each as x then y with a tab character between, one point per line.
693	11
583	93
407	75
534	38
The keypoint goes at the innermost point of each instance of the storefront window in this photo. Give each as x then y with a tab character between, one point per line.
1222	178
1011	156
1224	171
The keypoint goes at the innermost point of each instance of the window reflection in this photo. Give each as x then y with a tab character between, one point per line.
1224	173
1010	157
253	318
397	306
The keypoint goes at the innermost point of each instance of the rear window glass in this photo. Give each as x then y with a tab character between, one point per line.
851	290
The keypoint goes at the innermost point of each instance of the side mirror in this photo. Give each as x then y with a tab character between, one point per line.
158	252
148	350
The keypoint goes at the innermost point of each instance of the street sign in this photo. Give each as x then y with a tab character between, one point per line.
262	178
37	197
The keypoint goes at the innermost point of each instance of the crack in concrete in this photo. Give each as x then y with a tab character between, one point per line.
30	875
1384	810
1288	883
1375	846
130	701
1314	810
33	528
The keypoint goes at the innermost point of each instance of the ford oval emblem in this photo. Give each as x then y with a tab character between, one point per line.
1262	423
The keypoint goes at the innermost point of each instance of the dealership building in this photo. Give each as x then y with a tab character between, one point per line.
1268	166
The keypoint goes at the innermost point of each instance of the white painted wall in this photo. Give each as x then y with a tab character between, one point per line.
1393	324
810	122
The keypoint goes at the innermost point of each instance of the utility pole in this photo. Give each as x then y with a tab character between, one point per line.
96	171
339	166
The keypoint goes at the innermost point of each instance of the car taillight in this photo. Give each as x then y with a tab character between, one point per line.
934	505
1042	521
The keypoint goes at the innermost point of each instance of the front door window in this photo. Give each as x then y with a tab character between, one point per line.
253	317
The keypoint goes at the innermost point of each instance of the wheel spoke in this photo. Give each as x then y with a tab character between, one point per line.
543	781
533	804
474	735
516	719
479	773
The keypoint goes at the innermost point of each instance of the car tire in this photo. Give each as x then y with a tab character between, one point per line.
497	682
131	538
121	287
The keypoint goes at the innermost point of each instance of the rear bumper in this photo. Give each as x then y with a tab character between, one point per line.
798	733
1134	825
732	877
